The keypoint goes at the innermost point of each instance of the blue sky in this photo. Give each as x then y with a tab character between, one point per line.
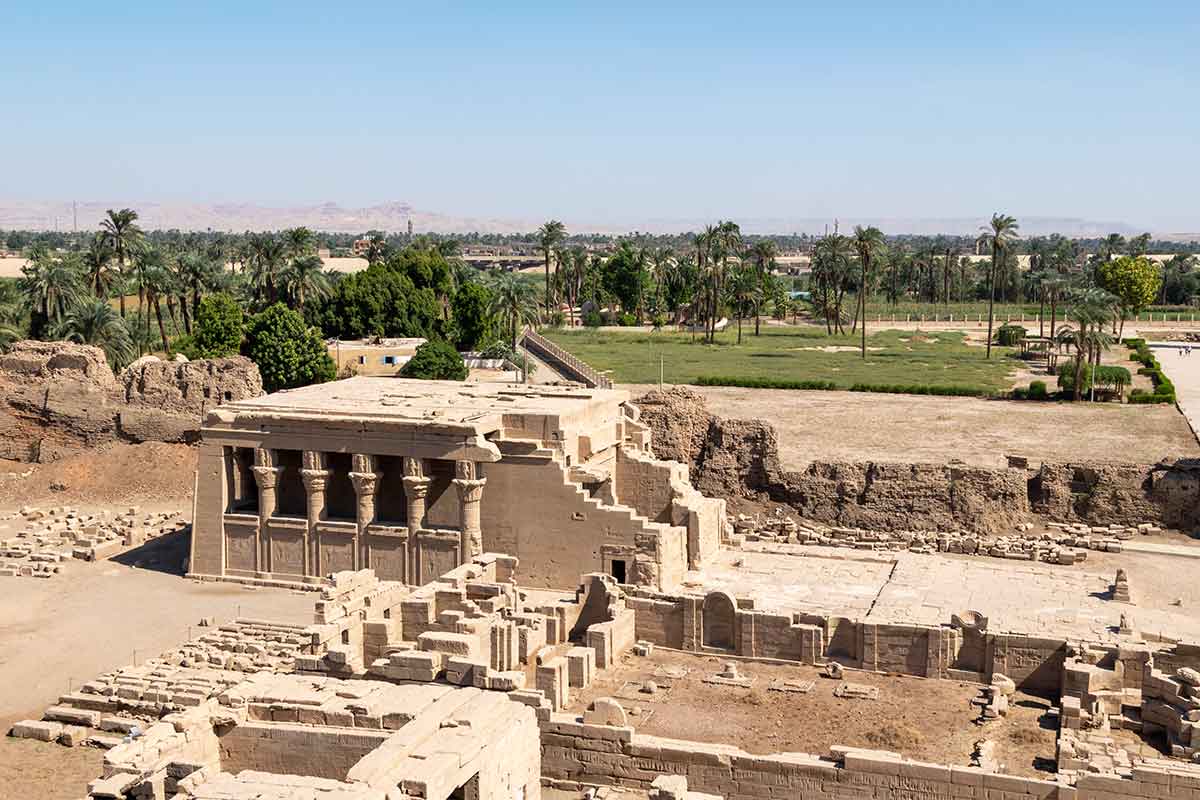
612	112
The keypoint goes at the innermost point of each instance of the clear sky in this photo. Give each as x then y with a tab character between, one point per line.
611	111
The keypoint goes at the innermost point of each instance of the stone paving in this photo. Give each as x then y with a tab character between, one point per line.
910	588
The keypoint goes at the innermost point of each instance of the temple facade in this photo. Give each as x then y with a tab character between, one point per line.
413	478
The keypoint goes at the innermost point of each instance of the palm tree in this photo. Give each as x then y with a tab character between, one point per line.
549	236
762	253
158	282
51	285
997	236
95	323
267	257
120	232
97	262
867	242
377	248
305	277
744	293
1090	310
299	242
10	313
513	304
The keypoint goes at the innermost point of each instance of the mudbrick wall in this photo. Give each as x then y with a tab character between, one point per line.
57	398
739	460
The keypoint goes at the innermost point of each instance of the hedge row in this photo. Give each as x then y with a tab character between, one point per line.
883	388
1164	390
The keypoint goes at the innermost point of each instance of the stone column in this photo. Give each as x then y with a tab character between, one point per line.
266	475
316	478
470	493
366	486
416	489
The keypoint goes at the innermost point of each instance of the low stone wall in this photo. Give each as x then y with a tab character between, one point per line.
58	398
956	650
739	460
603	755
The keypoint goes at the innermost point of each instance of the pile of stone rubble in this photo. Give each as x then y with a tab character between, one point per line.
1062	544
51	536
103	712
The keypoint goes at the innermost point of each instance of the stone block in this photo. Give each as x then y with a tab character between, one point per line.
40	730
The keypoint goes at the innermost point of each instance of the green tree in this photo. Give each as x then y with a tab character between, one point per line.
549	236
52	287
218	331
379	301
1134	280
97	262
288	352
473	317
120	233
996	236
762	254
94	322
623	276
868	242
435	360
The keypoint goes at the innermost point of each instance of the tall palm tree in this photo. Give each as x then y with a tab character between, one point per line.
762	253
299	242
868	242
267	257
996	236
514	304
158	282
120	232
11	313
304	278
550	235
97	262
94	322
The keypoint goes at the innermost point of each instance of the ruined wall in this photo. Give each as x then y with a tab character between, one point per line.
739	460
616	756
58	398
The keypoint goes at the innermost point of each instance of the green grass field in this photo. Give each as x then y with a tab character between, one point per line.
792	354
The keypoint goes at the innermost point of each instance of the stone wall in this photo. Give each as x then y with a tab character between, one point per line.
59	398
739	460
617	756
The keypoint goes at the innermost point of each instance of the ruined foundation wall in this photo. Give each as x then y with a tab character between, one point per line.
688	622
616	756
739	460
59	398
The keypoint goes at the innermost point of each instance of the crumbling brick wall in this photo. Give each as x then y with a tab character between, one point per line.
738	460
58	398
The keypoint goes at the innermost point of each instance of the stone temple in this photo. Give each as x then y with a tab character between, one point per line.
414	478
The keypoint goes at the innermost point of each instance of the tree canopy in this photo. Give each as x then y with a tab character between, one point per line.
435	361
287	351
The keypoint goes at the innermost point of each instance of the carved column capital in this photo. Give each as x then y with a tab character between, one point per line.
266	477
315	479
366	483
416	488
470	490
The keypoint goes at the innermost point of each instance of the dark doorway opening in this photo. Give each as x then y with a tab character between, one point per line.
618	569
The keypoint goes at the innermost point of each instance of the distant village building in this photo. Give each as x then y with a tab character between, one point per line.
375	357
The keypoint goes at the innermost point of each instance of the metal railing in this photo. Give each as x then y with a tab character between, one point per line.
567	364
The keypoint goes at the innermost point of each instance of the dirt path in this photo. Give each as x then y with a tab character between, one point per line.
858	426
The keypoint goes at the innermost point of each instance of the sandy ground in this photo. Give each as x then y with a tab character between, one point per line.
58	632
857	426
930	720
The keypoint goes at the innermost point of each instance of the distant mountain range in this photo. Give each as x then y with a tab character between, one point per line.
394	217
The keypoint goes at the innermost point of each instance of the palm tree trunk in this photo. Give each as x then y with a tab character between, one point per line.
991	301
863	291
1042	313
162	329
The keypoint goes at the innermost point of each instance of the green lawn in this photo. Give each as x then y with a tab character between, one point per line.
792	354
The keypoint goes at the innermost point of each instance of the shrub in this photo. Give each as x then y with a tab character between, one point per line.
558	319
627	320
944	391
288	352
1037	390
435	360
1010	335
592	319
659	320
